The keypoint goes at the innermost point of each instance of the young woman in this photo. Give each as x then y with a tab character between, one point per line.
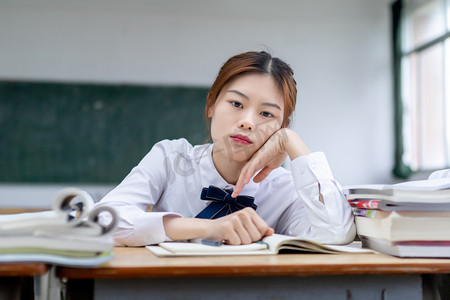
198	191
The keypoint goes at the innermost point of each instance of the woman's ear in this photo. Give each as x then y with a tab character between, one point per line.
210	111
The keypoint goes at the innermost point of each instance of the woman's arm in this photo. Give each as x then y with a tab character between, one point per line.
141	188
241	227
270	156
320	197
330	217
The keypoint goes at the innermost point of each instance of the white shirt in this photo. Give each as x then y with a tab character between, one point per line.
171	176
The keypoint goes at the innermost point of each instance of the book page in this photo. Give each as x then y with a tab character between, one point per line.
425	185
186	247
278	242
69	208
440	174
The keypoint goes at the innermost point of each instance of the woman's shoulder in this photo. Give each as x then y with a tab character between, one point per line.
181	147
174	144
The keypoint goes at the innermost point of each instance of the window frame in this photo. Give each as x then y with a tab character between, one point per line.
401	168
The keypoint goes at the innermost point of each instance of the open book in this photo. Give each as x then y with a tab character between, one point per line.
270	245
69	234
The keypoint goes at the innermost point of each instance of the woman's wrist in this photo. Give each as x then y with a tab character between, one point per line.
293	144
178	228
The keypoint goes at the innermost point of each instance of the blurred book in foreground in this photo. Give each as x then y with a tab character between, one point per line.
69	234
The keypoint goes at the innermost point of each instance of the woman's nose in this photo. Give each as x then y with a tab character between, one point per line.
244	124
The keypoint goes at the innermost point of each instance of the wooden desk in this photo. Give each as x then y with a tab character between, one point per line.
22	269
137	272
19	280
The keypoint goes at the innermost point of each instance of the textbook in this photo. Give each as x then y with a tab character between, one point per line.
69	234
408	248
425	191
405	225
270	245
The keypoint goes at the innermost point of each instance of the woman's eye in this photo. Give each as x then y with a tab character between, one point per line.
236	104
267	114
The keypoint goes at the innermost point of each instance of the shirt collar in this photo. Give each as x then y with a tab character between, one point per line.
210	175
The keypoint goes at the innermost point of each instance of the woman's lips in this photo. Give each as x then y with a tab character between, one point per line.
241	139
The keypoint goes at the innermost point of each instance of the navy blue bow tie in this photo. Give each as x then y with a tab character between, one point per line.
222	203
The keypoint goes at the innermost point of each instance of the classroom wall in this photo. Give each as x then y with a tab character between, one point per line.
339	50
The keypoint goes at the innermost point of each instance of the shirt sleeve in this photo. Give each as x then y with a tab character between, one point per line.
321	197
141	188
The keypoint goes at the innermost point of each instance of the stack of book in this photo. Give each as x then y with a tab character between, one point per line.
69	234
410	219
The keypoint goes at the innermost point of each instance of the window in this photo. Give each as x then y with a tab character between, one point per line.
422	85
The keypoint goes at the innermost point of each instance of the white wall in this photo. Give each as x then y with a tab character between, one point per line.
339	50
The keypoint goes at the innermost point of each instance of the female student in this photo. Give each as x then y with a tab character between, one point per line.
206	191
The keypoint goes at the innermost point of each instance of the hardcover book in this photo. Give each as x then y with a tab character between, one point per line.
405	225
408	248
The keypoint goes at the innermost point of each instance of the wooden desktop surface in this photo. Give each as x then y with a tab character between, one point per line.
22	269
139	262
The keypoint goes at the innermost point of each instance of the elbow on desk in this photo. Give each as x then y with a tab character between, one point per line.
137	235
343	235
128	239
348	236
338	235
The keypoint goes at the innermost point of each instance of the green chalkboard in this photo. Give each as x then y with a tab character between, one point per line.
90	133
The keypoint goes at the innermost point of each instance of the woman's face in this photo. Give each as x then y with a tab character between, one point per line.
248	110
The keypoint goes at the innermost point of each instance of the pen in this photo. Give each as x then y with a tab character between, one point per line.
206	242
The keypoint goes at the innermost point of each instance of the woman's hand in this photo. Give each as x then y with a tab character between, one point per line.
270	156
241	227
